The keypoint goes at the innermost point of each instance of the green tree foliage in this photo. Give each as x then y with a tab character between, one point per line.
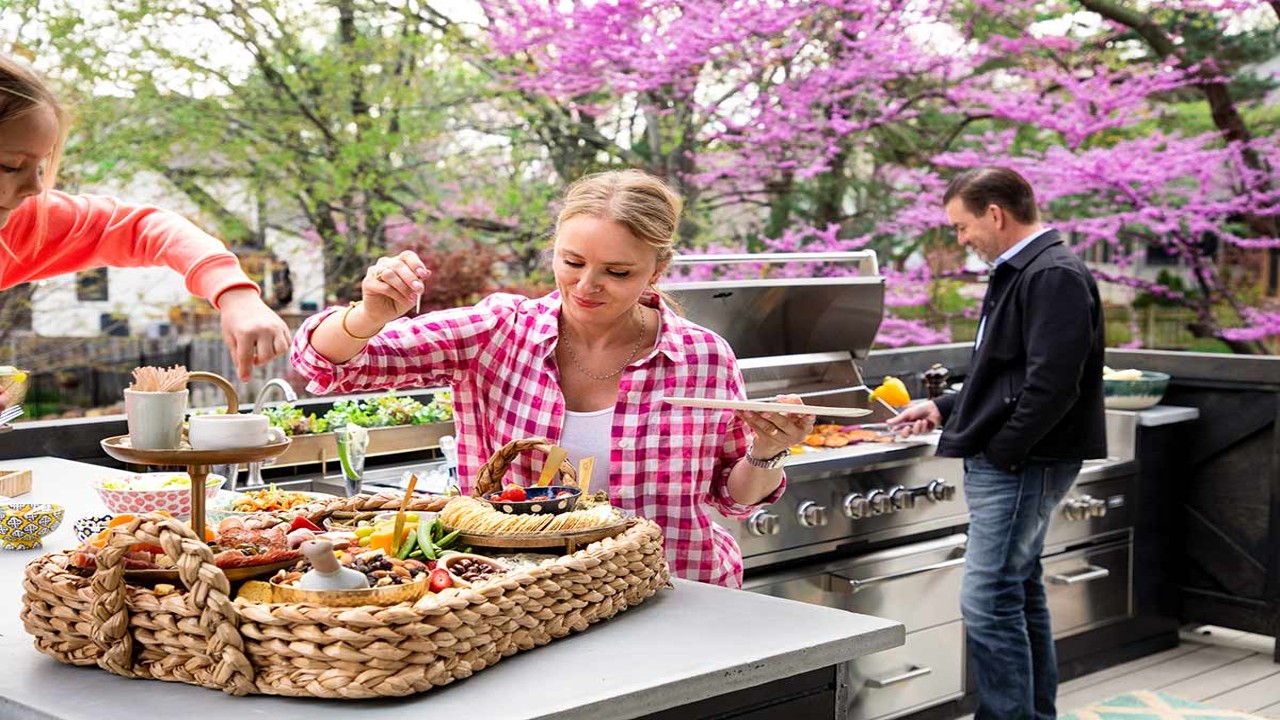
347	121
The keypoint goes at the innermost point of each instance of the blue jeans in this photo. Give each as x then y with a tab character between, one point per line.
1002	596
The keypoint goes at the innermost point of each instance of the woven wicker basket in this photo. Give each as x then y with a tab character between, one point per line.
200	636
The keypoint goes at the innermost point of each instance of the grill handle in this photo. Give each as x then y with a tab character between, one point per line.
913	673
1092	572
866	260
854	585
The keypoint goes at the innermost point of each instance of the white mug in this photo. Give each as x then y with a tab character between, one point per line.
228	432
155	418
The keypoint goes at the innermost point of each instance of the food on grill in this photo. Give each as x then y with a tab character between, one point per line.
831	436
892	391
477	517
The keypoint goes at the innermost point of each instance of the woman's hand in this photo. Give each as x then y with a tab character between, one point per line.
4	399
253	333
775	432
392	286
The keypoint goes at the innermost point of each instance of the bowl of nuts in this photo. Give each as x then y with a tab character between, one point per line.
467	569
391	581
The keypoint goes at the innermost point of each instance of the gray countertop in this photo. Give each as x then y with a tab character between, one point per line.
1166	415
680	646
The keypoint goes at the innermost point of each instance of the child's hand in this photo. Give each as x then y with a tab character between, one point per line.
253	333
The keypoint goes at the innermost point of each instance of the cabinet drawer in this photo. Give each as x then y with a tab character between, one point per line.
1090	509
917	585
928	669
1088	588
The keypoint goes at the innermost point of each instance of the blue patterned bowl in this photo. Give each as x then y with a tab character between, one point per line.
87	527
26	524
1135	394
541	500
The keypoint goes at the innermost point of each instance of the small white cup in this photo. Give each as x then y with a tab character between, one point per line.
228	432
155	418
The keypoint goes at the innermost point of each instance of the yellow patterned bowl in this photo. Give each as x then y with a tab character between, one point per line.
26	524
14	382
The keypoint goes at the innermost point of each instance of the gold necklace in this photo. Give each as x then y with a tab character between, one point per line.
573	356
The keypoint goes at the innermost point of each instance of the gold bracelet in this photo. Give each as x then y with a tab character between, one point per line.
350	334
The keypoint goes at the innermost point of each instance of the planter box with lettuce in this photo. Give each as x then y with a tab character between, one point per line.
395	424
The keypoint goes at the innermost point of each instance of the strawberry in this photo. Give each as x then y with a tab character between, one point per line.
440	580
514	493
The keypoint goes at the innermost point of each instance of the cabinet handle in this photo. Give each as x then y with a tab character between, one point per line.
855	584
911	674
1093	572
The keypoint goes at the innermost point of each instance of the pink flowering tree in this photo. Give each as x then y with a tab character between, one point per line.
834	124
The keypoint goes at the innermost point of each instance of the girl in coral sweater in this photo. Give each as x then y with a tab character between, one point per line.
44	232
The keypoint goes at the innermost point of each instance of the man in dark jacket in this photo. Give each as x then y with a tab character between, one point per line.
1029	412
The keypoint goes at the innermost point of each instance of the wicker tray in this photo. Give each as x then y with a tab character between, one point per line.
199	635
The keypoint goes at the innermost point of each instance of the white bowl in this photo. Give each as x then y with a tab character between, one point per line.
174	500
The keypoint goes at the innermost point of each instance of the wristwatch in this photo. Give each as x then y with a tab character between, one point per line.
772	463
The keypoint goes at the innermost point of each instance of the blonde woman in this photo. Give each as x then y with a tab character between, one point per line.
44	232
585	366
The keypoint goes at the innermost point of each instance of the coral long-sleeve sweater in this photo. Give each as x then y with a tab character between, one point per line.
86	231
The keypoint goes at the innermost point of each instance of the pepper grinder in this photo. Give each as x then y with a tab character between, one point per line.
326	572
935	381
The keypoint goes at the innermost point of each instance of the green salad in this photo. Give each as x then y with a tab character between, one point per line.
384	411
154	481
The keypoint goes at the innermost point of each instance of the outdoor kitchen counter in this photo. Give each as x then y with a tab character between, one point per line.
679	647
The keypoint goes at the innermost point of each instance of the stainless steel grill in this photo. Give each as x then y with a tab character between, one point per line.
807	336
879	528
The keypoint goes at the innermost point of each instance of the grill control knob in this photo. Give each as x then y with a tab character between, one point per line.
1096	508
880	502
763	522
902	498
941	491
855	506
1084	508
811	514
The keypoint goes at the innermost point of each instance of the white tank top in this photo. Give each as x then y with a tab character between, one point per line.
589	434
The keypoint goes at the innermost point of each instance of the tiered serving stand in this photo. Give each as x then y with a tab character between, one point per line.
199	463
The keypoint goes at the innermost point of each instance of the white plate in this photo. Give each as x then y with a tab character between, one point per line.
714	404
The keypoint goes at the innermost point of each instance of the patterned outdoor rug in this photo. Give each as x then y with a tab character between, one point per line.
1144	705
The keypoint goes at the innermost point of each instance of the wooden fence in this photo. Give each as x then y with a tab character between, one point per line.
72	375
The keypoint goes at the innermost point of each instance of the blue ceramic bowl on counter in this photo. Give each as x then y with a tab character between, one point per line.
1136	394
87	527
25	525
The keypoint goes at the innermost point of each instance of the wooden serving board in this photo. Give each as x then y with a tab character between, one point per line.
170	575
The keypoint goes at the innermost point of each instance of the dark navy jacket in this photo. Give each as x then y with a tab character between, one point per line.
1034	390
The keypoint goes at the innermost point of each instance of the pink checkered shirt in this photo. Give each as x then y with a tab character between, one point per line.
667	464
